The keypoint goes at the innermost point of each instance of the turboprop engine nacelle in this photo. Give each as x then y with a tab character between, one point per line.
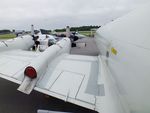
38	66
23	42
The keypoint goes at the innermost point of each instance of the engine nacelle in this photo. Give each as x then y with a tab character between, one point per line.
38	66
23	42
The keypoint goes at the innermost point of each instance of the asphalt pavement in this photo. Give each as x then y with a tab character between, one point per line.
90	48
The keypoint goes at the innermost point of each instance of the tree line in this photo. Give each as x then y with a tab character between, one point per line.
82	28
5	31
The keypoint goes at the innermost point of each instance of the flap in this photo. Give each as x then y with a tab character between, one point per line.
67	78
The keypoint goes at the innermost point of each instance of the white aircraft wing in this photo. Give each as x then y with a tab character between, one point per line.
68	77
13	63
53	72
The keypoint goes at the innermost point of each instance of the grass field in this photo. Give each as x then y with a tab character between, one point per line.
87	33
7	36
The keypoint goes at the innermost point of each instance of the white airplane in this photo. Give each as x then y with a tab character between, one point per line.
43	41
116	81
79	35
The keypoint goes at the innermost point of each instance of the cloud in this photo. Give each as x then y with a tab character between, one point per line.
50	14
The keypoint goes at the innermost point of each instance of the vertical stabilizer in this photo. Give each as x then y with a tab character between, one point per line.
32	30
67	31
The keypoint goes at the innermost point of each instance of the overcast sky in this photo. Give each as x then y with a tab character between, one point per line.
51	14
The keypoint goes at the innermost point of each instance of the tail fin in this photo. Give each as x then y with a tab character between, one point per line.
67	31
32	30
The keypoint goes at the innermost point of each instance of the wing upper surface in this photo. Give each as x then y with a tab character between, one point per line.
13	63
67	78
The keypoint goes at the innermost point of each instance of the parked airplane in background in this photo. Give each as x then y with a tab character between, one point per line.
116	81
79	35
43	39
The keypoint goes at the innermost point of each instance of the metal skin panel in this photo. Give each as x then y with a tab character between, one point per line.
128	43
9	69
67	77
24	42
67	84
132	28
13	63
